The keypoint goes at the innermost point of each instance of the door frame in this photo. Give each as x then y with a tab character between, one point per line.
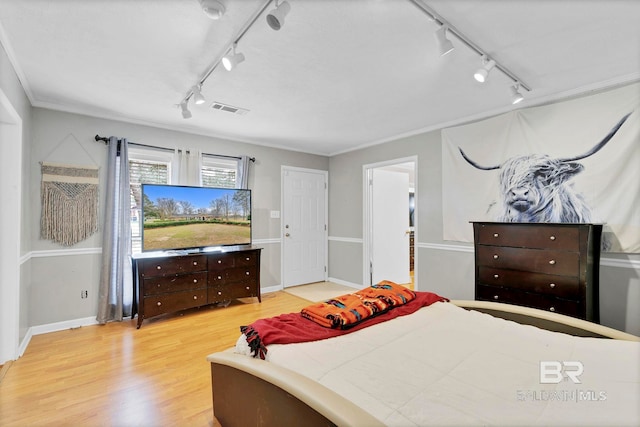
367	220
11	191
283	169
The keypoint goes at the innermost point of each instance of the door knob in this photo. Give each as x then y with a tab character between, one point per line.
287	235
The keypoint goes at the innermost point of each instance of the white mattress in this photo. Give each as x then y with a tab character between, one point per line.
445	365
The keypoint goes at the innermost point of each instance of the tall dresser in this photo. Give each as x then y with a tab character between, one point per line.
552	267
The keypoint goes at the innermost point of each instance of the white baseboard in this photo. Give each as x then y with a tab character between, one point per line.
345	283
270	289
61	326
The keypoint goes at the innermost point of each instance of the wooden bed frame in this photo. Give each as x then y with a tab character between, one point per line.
248	391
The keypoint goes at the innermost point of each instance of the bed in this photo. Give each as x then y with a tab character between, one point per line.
449	363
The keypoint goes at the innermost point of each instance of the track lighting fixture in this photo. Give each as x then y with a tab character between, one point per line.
516	96
186	114
230	60
198	98
444	44
275	18
482	72
212	8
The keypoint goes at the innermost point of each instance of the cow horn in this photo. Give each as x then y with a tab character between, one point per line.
475	165
601	143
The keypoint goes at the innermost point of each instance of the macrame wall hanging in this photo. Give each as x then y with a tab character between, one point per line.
69	203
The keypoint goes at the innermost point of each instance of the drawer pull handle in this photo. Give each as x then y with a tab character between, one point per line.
495	276
247	258
195	280
552	285
219	277
552	309
219	261
247	273
552	238
159	267
496	235
159	303
219	293
195	297
496	256
495	297
195	262
552	262
247	288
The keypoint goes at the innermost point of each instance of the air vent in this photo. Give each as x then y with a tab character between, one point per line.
229	108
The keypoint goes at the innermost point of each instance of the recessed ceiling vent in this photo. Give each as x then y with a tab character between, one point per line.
229	108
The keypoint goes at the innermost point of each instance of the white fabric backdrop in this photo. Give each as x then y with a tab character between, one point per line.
610	181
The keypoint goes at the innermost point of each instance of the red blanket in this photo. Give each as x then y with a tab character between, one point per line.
293	328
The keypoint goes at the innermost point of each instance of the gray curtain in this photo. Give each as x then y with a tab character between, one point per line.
115	290
242	175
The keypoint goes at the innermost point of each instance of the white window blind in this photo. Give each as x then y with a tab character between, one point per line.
143	172
218	172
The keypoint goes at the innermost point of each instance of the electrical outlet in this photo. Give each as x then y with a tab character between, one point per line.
84	294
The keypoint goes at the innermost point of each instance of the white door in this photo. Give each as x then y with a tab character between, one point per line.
304	226
390	226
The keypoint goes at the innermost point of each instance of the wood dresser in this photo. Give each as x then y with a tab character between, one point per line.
552	267
169	282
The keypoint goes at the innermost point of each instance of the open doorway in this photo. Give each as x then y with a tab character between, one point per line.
390	216
10	215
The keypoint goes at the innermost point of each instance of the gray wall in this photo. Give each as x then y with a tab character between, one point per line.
59	274
445	267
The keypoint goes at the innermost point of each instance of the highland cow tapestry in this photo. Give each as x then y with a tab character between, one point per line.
69	203
573	161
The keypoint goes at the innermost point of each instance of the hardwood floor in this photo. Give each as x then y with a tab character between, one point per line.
117	375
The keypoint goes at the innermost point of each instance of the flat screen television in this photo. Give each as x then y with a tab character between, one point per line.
194	218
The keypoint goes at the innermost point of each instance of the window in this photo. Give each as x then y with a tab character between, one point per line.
158	166
145	167
218	172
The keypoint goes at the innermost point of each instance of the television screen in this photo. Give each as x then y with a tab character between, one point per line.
181	217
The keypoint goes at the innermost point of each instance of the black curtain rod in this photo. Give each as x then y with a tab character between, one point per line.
106	141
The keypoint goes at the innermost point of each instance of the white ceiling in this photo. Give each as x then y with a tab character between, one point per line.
340	74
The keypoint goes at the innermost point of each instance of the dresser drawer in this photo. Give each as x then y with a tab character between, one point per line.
167	303
245	259
229	292
534	260
221	261
173	265
558	286
176	283
529	236
516	297
232	275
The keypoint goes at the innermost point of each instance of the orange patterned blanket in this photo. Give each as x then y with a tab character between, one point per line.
348	310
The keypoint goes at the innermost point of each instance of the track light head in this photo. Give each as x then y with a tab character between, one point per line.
516	96
482	72
212	8
198	98
231	59
444	44
186	114
275	18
